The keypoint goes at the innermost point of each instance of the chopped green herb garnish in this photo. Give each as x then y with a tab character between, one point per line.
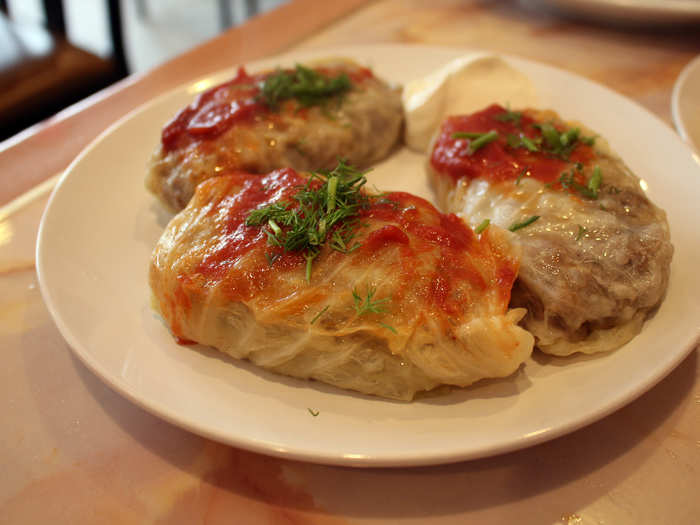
331	192
274	227
313	412
319	212
388	327
341	238
467	134
561	144
569	137
476	140
307	86
272	257
581	231
480	142
551	136
595	180
319	314
529	143
590	190
368	304
510	116
272	240
310	255
526	222
524	173
566	179
484	224
522	141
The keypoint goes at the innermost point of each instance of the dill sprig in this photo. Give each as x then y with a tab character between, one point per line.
368	304
307	86
388	327
319	314
319	213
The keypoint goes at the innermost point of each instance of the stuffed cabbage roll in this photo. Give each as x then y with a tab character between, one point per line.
303	118
596	251
313	277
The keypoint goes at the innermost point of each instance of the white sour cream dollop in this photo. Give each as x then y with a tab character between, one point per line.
464	85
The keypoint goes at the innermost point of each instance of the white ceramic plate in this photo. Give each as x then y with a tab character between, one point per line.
652	12
685	103
100	225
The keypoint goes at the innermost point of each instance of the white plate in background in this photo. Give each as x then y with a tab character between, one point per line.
653	12
100	226
685	103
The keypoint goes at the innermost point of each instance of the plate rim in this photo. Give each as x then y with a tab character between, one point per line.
693	66
651	12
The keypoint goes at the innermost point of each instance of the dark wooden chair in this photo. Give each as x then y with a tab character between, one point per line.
41	72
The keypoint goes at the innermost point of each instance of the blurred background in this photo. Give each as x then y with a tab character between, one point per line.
54	53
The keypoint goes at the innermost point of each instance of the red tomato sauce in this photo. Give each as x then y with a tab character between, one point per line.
498	161
219	108
416	227
237	238
461	264
385	236
214	111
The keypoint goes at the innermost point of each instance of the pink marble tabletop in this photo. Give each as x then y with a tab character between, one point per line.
74	451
